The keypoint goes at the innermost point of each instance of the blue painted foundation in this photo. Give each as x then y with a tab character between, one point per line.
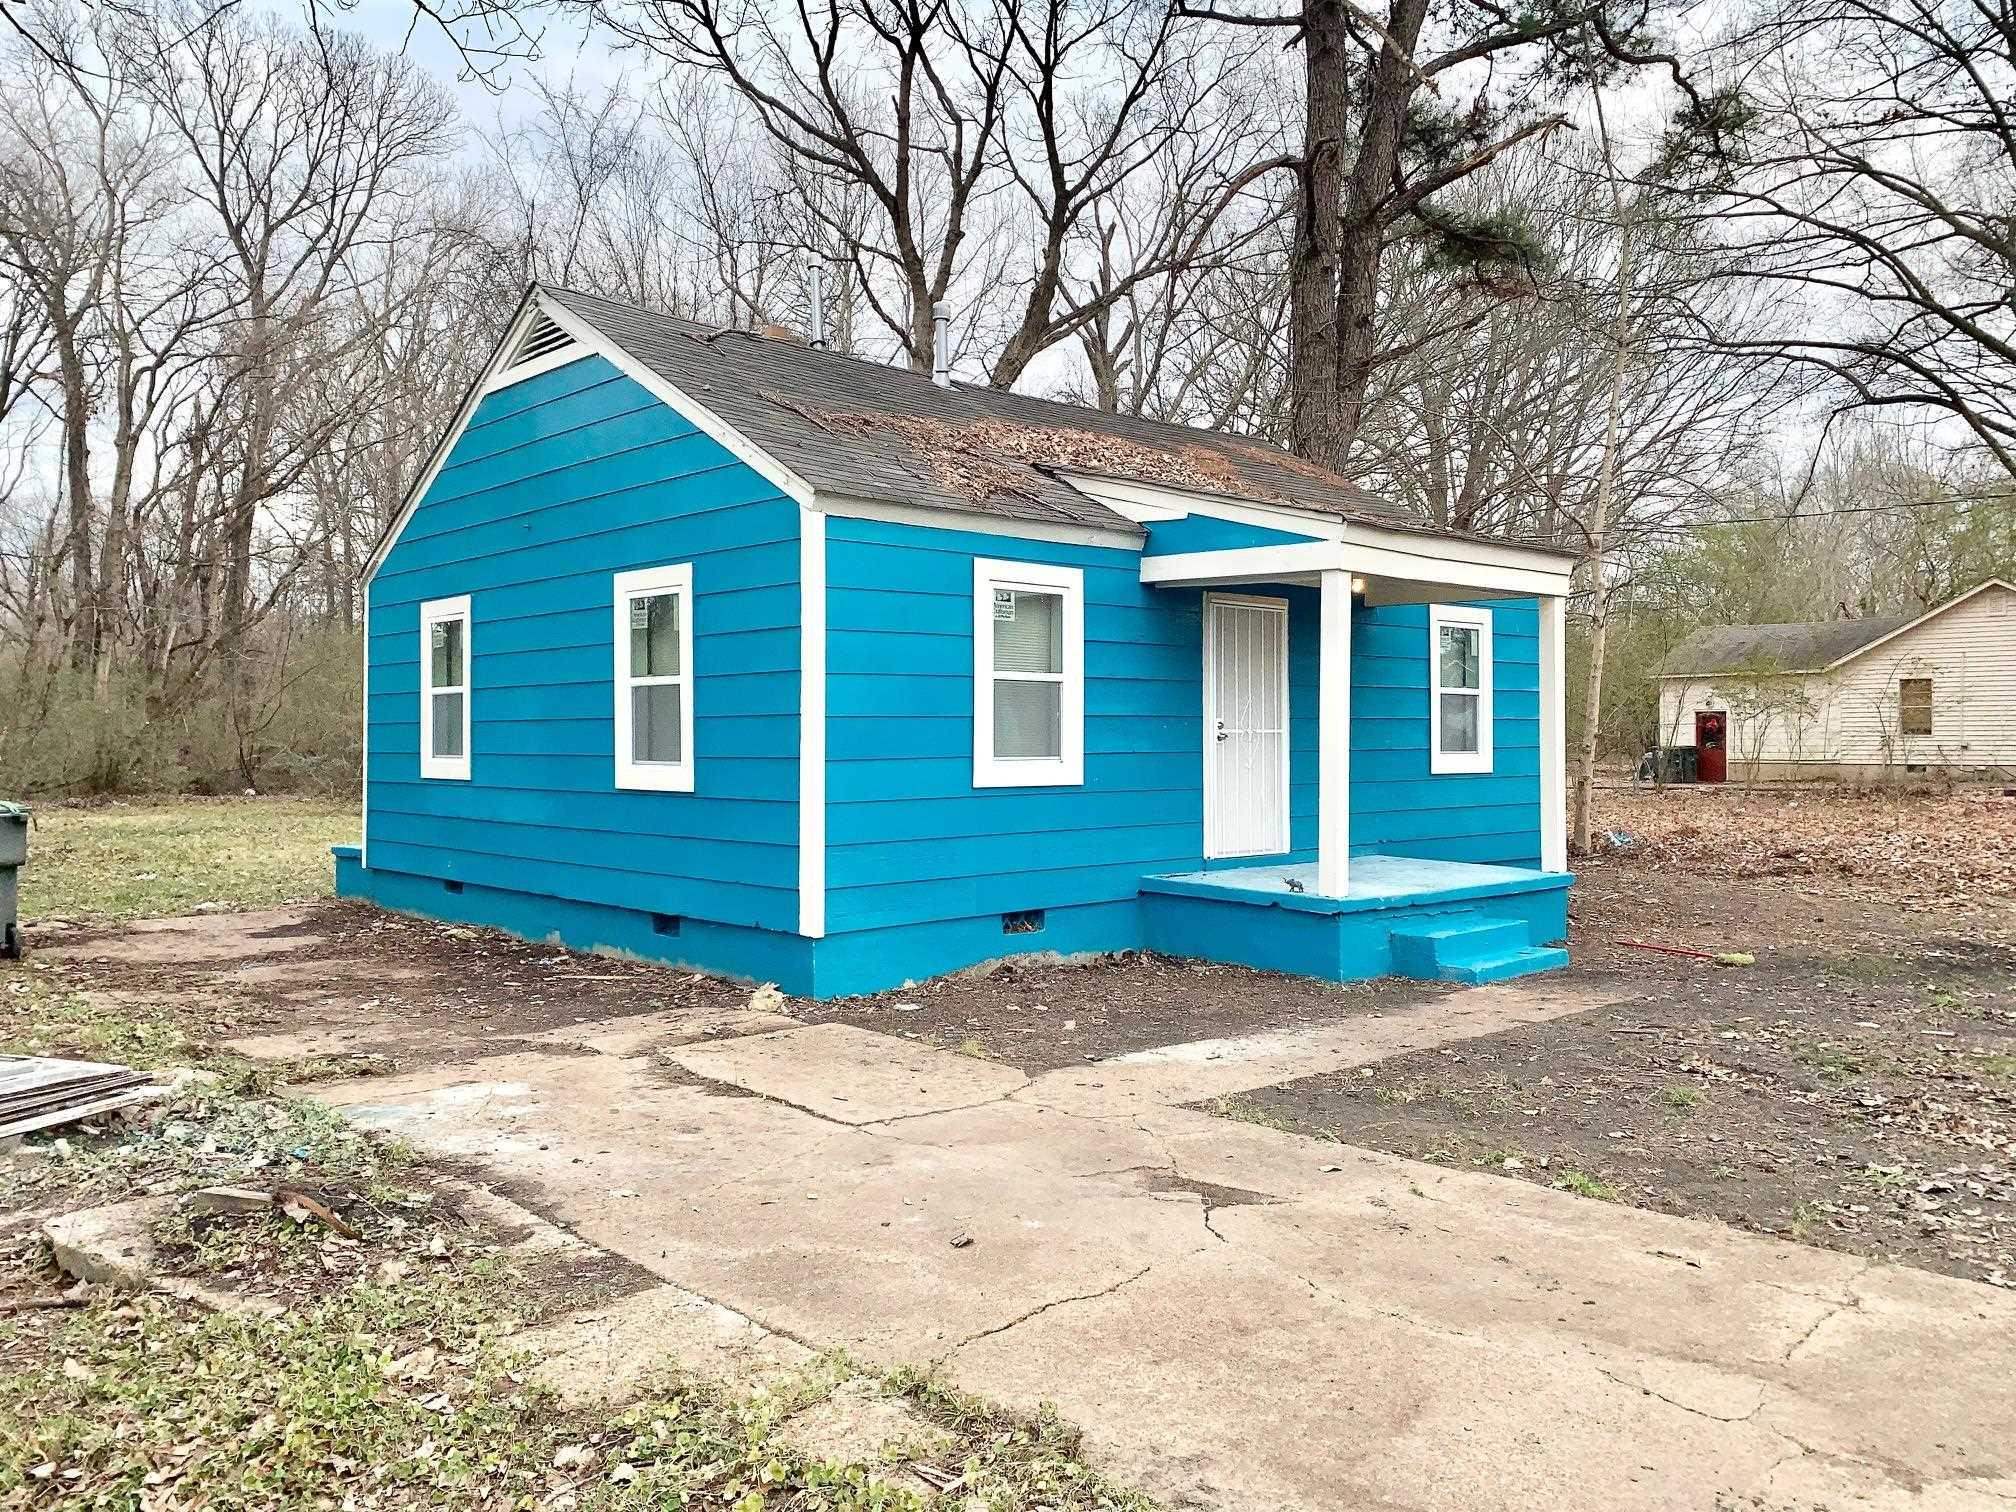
1439	921
1474	928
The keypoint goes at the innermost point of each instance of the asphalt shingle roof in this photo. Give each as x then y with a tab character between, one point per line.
1777	648
858	428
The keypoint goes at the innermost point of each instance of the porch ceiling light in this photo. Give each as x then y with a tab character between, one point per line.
1357	585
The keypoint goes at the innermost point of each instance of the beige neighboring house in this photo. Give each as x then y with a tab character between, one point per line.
1861	701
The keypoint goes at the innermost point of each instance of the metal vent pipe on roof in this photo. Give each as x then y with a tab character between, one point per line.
941	344
815	294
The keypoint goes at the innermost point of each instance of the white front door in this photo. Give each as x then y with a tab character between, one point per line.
1245	725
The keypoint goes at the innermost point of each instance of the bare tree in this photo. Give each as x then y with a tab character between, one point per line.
1863	157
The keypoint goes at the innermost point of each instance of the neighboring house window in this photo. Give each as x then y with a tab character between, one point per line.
1028	675
444	688
654	679
1914	706
1459	709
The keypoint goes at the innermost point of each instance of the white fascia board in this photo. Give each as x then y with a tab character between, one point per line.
738	445
1145	502
931	518
591	343
506	377
506	344
1459	562
1242	564
1454	561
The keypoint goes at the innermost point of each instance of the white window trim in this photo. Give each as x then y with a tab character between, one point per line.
440	612
1068	768
654	776
1479	760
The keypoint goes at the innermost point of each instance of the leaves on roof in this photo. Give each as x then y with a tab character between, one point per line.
989	457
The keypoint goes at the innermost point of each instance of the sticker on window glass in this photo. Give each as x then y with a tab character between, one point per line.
640	614
440	634
1004	604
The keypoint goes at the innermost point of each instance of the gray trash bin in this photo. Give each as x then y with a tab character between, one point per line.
13	852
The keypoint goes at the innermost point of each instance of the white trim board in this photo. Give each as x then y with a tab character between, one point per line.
1397	556
446	611
1212	740
652	776
591	343
811	723
932	517
1067	768
1461	617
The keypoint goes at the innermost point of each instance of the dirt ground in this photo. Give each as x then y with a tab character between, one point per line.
346	979
1855	1088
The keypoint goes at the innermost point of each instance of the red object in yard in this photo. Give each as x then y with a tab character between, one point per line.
1711	742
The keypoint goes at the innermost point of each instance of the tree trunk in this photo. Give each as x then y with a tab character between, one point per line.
1362	230
1312	266
1599	589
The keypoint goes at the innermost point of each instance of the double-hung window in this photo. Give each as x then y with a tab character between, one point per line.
1914	706
1028	675
654	679
1459	676
444	688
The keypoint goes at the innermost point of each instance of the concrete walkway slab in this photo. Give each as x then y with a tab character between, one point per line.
1238	1317
850	1075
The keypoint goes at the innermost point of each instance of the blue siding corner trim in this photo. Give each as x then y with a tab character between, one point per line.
1198	532
557	484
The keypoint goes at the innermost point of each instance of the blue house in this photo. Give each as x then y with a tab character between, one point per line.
725	650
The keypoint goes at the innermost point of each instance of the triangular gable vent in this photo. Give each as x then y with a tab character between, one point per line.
542	339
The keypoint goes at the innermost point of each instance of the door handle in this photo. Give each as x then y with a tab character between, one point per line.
1221	731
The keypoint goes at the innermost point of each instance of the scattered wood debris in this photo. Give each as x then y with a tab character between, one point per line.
39	1092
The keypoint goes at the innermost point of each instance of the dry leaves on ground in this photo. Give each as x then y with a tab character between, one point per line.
1959	848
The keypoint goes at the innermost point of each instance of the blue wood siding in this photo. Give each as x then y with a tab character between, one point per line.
910	839
557	484
1398	806
1209	533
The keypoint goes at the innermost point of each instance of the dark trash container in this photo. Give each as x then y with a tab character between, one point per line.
13	852
1669	764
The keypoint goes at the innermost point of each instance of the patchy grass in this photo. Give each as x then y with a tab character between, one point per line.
41	1015
1582	1184
145	860
411	1394
1683	1099
1245	1110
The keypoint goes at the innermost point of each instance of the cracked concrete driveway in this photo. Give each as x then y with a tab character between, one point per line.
1238	1317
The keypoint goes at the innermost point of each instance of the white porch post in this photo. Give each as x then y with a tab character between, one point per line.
1333	738
1553	734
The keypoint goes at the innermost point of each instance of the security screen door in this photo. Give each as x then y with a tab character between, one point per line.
1245	726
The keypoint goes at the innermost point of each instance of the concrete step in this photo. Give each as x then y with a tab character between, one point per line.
1513	963
1429	950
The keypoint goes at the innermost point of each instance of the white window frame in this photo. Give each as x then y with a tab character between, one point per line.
1479	760
441	612
654	776
1067	769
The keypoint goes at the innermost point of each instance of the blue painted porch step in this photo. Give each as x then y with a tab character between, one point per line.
1472	948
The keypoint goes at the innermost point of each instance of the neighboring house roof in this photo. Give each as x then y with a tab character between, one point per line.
1811	647
857	428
